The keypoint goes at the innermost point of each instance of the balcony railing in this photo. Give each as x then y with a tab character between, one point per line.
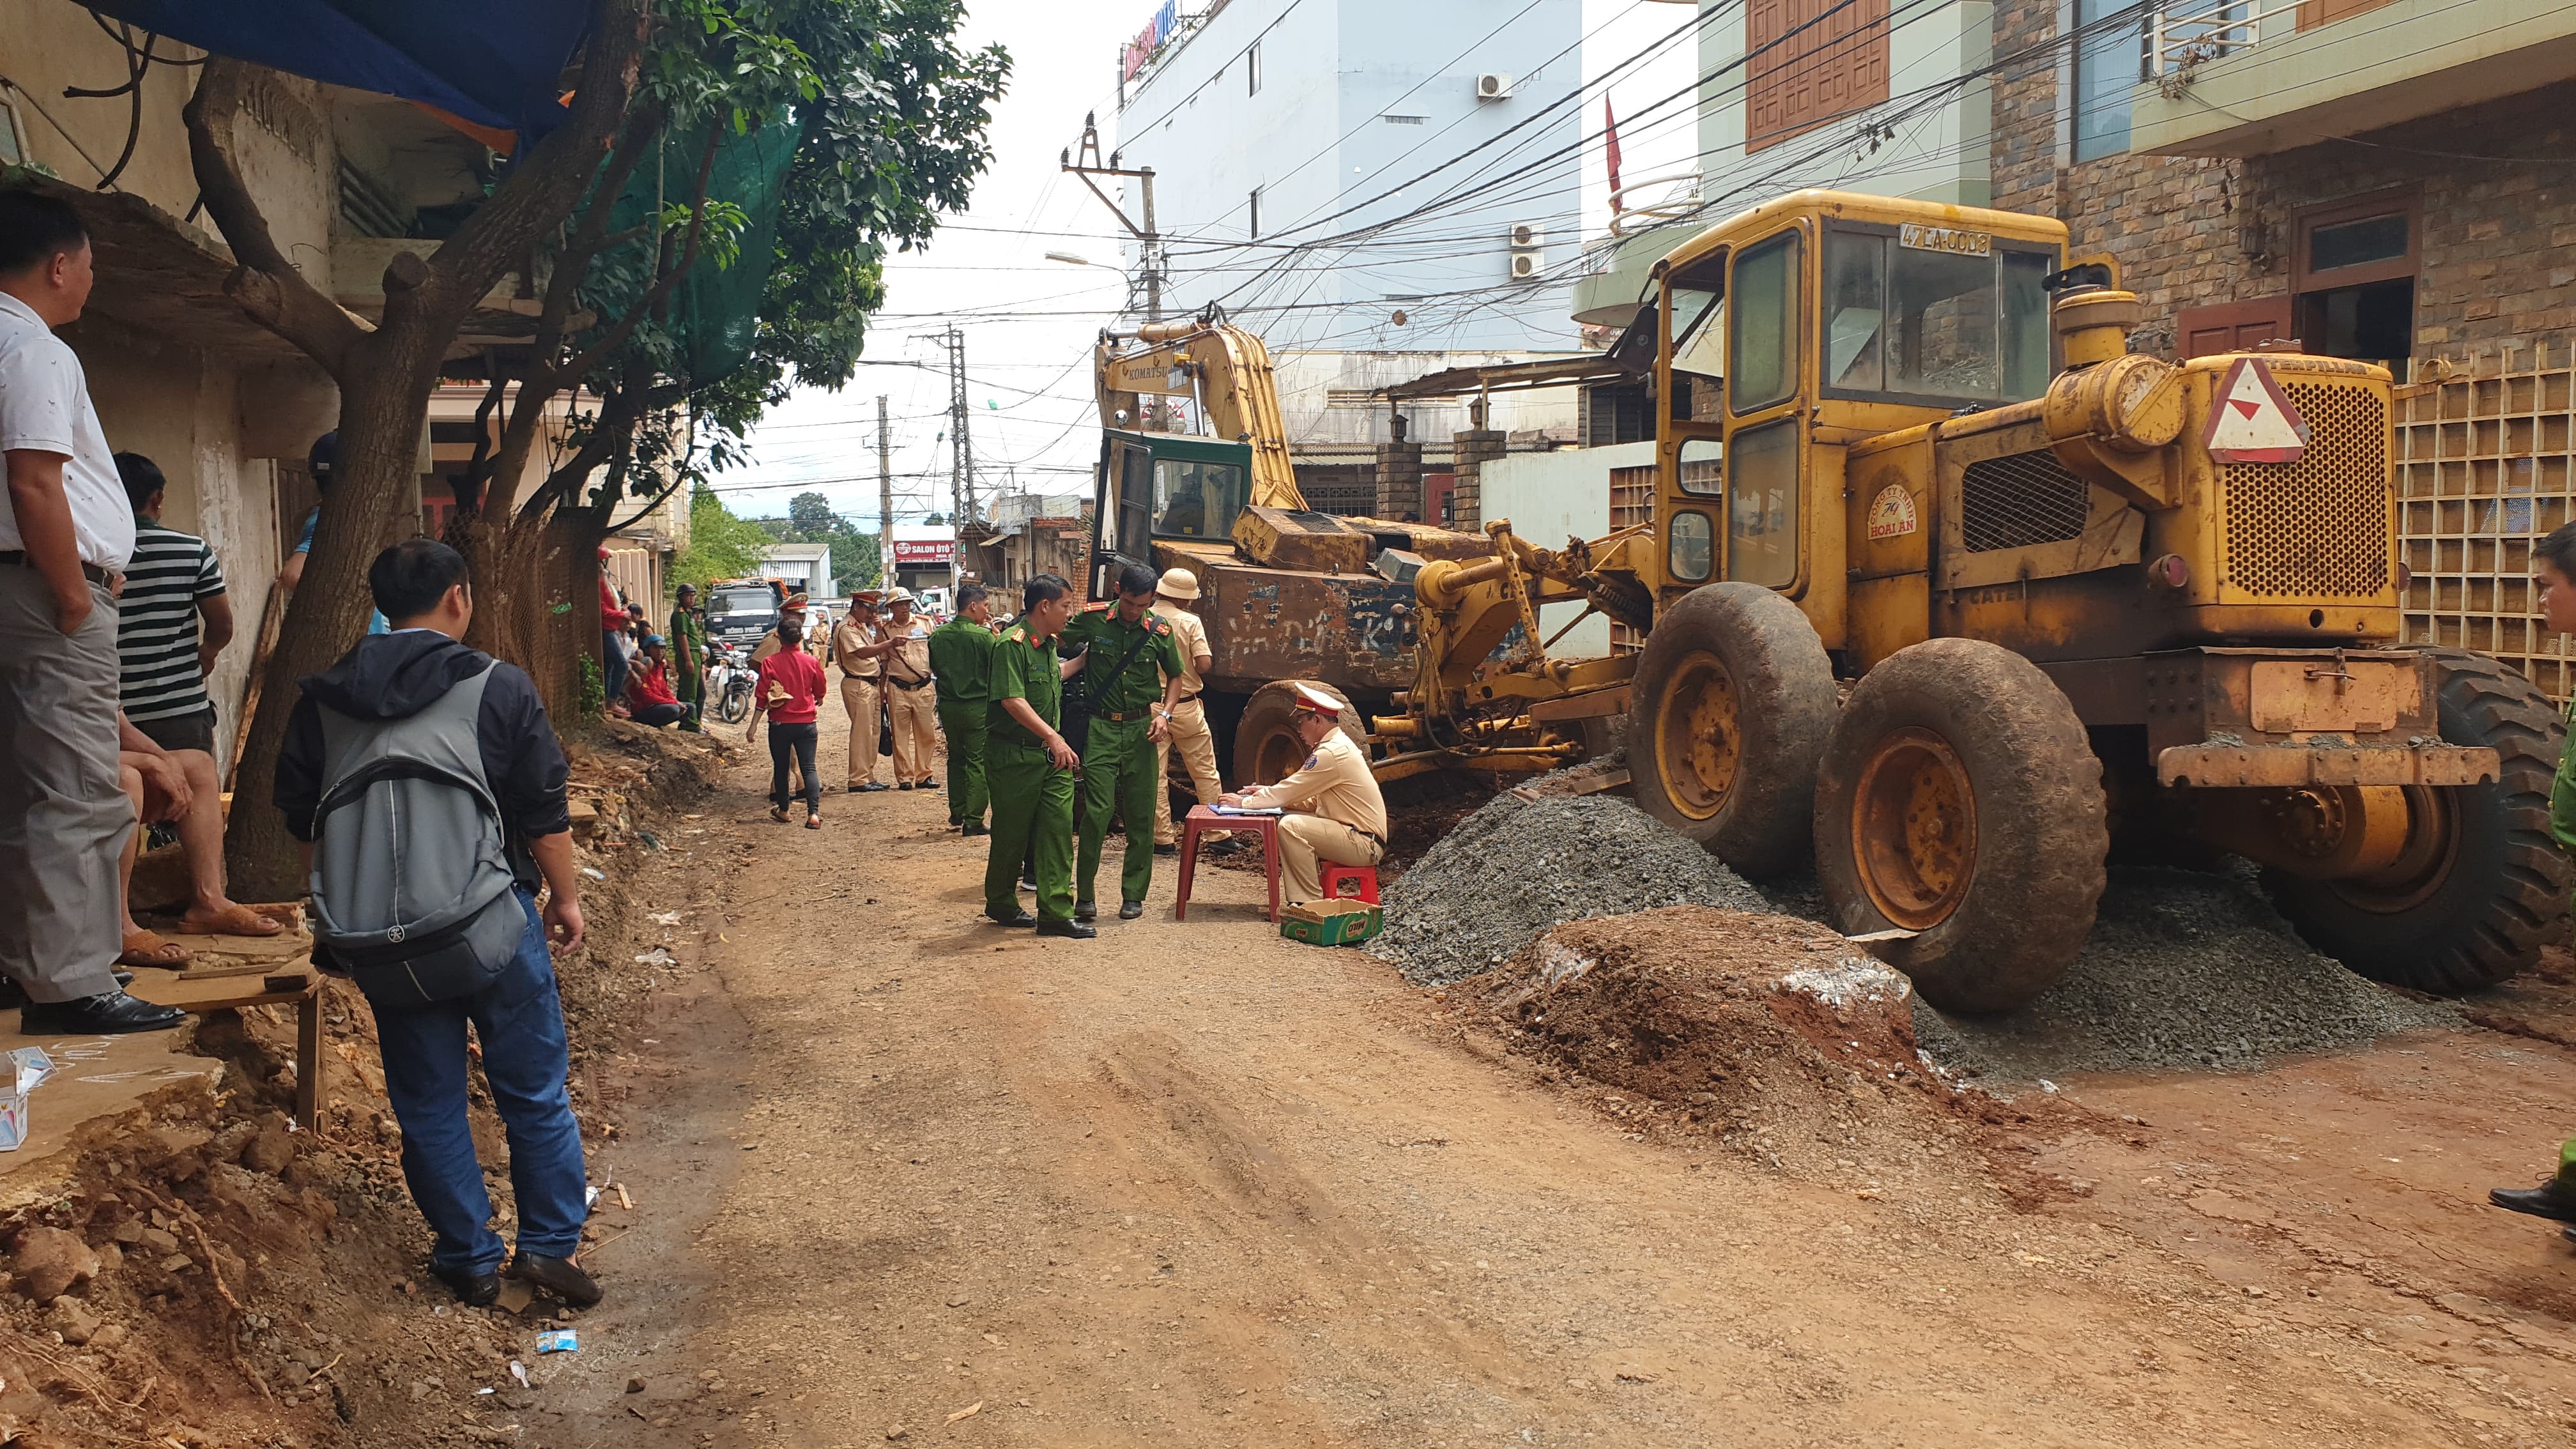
2184	36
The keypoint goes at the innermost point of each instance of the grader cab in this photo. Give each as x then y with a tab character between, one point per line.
1948	593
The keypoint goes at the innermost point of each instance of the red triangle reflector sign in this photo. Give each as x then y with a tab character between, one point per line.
2251	420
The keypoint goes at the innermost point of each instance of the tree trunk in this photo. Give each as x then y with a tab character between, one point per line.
537	604
384	402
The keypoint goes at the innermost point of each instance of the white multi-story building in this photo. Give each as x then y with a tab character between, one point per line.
1380	191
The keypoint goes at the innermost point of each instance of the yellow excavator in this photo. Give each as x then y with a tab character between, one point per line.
1946	594
1194	473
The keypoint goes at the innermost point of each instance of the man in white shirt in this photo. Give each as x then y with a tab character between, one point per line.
66	531
1333	808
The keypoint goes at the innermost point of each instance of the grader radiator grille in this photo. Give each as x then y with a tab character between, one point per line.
2320	527
2020	500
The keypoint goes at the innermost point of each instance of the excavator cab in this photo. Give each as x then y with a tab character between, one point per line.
1152	486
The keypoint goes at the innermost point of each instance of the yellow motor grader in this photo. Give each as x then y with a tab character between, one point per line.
1945	591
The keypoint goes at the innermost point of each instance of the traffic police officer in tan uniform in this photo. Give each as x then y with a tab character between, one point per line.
1333	808
1189	737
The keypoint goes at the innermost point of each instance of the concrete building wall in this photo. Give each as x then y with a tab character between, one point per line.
1551	497
1330	397
1940	147
1355	100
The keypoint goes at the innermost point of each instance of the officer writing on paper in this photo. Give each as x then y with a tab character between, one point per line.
1330	809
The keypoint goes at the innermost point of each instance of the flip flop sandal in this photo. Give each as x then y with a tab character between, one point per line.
143	948
813	822
778	815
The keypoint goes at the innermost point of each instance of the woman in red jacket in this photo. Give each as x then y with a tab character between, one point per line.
789	691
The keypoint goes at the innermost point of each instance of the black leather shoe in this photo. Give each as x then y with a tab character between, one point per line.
874	786
2552	1199
1130	910
1086	911
13	995
562	1277
475	1290
974	827
1028	882
1070	930
106	1014
1167	850
906	785
930	784
1024	918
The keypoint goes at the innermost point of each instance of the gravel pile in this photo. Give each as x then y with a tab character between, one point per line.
2183	970
1515	868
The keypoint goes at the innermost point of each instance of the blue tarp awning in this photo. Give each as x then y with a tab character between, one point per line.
498	64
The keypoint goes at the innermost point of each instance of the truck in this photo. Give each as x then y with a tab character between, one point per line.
740	611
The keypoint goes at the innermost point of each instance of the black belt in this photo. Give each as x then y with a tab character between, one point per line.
104	578
900	684
1123	717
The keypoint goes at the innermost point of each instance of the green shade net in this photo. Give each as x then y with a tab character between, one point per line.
714	312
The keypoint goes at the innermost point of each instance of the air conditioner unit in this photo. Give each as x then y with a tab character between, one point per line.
1525	265
1493	86
1528	234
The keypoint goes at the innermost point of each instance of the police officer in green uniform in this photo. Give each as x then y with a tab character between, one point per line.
1031	767
2554	571
961	659
1132	675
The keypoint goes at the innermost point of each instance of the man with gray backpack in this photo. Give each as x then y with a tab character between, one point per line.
428	788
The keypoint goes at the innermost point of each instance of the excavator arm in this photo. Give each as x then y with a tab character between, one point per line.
1225	371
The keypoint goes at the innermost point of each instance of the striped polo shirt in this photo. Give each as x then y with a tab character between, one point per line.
156	623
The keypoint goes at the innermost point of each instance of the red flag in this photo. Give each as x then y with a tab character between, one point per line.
1610	121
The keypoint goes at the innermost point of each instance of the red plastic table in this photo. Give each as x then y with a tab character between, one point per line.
1201	819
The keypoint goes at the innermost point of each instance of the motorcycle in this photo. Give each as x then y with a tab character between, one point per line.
729	682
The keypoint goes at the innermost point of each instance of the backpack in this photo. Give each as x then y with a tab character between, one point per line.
412	888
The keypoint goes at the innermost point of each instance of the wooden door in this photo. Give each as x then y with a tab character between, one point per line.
2230	326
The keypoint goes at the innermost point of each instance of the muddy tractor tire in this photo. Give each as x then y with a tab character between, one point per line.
2482	882
1266	747
1959	799
1731	706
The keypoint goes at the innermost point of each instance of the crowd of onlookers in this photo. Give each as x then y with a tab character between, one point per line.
110	621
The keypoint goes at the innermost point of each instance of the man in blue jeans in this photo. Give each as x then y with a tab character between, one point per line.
421	587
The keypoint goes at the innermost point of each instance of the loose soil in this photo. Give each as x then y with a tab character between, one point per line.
903	1176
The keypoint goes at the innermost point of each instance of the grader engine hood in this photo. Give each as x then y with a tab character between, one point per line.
2263	481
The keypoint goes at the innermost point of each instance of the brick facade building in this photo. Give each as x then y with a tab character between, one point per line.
2222	248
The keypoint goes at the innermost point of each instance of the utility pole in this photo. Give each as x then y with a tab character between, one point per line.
961	475
1085	162
885	501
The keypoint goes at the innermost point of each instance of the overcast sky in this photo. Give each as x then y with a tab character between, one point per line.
1034	426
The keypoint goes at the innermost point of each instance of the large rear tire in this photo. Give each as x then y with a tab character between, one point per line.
1960	799
1730	708
1267	748
2483	882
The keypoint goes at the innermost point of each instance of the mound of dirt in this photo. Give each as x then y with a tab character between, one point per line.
1772	1027
1517	867
2184	970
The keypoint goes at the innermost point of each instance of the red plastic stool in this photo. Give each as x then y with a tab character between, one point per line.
1334	877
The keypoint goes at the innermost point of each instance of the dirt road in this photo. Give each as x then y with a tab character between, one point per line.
904	1175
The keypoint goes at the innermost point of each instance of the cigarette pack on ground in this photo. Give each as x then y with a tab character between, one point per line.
28	1067
1331	923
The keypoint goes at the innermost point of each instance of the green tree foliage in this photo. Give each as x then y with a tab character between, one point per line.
721	545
